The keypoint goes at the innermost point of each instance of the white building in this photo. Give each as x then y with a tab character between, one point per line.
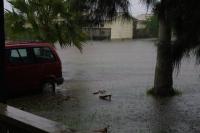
111	30
120	29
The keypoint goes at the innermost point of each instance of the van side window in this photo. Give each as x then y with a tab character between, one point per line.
23	53
26	55
14	54
20	56
44	54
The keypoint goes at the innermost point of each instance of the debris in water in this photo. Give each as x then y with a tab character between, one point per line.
95	93
99	92
104	130
67	98
72	130
105	97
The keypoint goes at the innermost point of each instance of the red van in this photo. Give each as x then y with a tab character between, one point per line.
31	66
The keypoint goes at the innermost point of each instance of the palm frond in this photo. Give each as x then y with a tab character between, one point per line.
197	54
185	23
98	11
49	20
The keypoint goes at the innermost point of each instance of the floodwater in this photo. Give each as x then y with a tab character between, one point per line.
124	69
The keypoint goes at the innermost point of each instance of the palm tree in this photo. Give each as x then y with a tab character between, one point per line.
163	81
182	17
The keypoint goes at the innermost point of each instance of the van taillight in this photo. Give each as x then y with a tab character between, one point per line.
60	68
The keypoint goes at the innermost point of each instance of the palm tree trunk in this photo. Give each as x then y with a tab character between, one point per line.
163	82
2	54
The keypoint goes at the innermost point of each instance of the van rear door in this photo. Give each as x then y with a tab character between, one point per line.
45	56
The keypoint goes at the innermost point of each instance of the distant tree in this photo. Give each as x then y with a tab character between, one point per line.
15	32
152	26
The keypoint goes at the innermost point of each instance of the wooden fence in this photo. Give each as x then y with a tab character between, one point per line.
98	33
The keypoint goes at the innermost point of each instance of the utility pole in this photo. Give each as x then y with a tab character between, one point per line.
2	54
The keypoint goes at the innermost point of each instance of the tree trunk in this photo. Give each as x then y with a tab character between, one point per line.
163	82
2	54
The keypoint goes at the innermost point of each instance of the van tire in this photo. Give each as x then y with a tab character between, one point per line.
48	87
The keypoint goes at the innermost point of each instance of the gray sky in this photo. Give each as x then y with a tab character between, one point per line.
6	5
136	7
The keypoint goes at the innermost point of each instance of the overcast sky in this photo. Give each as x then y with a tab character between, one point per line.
136	7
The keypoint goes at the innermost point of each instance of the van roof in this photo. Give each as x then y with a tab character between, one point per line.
25	44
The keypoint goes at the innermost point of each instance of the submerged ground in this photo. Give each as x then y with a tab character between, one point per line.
124	69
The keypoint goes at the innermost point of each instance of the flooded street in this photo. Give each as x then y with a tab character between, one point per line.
124	69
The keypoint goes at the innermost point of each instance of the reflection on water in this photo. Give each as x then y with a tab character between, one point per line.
124	69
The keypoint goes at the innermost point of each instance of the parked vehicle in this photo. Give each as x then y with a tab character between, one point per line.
32	66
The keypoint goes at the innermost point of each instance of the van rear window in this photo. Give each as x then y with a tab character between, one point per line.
44	54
